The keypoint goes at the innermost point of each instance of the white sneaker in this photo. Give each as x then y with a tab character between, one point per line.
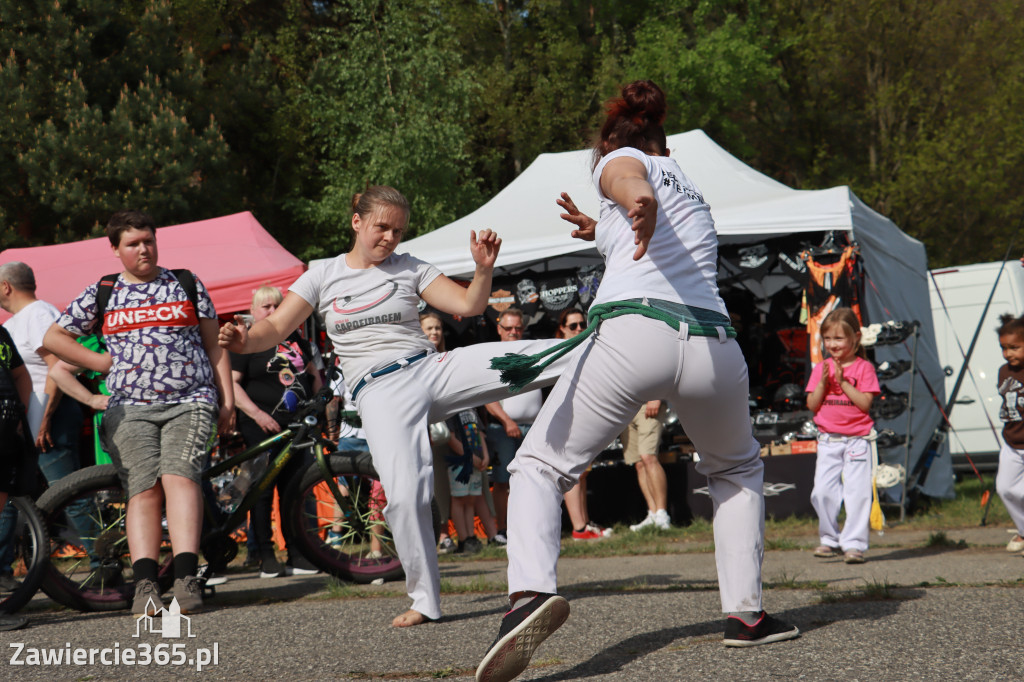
649	521
661	520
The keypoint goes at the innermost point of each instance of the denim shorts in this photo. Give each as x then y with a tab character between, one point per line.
474	486
146	442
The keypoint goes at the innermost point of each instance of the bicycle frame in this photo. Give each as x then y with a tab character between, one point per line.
299	437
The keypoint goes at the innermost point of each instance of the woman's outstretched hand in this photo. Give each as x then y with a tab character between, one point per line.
645	216
585	225
484	247
233	335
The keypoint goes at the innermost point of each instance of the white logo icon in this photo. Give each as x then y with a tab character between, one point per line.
166	621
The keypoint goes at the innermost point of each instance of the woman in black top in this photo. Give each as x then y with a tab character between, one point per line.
261	381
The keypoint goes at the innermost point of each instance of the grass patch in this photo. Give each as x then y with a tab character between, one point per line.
642	585
940	539
478	584
782	544
964	510
786	582
339	589
871	591
447	672
441	674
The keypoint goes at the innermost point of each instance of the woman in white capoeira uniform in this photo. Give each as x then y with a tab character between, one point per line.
663	334
400	384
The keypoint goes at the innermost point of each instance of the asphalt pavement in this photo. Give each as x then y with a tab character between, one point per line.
948	612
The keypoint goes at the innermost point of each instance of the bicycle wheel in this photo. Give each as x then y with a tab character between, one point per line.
353	542
30	552
90	567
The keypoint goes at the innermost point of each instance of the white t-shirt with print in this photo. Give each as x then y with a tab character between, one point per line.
372	314
152	334
681	263
27	327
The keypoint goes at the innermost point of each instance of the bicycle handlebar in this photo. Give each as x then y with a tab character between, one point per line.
318	403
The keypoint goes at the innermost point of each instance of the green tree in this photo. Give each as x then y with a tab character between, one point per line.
95	115
258	56
711	58
389	103
915	105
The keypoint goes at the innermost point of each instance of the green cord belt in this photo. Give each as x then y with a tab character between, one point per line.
519	370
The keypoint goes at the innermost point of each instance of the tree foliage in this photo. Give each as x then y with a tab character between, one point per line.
97	116
198	108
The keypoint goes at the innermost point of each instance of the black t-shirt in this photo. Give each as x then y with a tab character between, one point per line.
9	359
267	374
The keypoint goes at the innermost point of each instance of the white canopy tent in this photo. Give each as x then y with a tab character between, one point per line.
748	207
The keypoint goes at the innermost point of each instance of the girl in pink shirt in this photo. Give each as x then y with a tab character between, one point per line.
840	392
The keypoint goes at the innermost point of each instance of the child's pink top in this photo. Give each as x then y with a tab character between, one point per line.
838	414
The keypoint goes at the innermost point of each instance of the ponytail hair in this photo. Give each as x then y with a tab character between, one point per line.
635	119
1008	325
364	203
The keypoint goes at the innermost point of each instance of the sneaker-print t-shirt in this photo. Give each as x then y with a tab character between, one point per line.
152	334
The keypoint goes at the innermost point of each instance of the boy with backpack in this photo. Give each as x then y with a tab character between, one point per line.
170	384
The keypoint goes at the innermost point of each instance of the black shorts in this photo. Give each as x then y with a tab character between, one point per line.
14	449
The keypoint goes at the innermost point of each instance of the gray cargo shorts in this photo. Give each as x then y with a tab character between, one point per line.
146	442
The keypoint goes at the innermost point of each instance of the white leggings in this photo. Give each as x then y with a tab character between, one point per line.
633	359
396	410
842	476
1010	484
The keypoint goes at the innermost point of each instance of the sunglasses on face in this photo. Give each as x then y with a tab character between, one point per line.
575	326
518	328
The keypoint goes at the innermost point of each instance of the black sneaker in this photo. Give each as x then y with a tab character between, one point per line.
270	567
890	370
300	565
894	332
472	545
521	632
887	438
888	404
765	631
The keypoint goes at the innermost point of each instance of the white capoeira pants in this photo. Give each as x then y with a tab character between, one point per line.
396	410
842	476
631	360
1010	484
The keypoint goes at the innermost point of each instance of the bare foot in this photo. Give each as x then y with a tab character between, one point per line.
409	618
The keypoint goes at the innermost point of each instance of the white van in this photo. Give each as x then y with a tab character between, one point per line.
965	289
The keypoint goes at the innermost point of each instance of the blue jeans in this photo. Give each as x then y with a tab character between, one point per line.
56	463
503	449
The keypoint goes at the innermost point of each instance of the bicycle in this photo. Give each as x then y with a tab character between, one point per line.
30	544
339	491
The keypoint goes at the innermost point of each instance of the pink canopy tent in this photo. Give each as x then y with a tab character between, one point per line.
232	255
